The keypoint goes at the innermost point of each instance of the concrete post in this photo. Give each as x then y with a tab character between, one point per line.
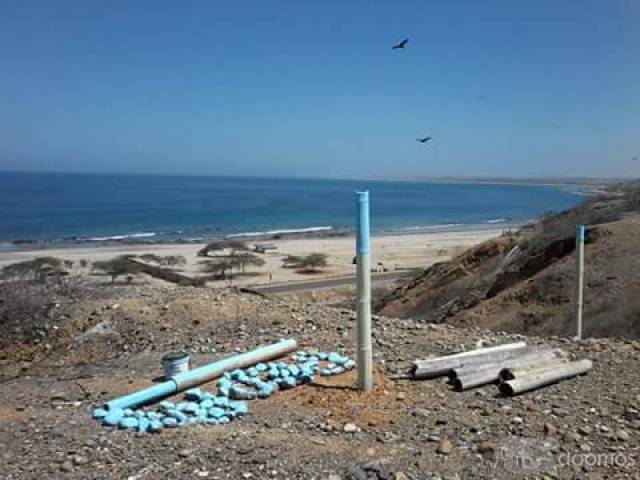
580	234
363	292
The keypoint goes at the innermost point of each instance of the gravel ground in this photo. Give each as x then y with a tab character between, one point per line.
93	350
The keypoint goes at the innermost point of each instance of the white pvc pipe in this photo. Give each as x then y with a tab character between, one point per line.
580	234
363	292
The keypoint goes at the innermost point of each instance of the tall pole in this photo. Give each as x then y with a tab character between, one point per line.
579	279
363	292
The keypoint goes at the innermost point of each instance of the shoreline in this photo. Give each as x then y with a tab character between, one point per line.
324	232
390	252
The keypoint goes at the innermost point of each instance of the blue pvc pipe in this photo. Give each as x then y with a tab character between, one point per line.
200	375
580	233
144	396
362	235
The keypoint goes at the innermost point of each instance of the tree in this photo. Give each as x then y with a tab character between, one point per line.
243	260
37	269
121	265
218	245
308	264
173	260
217	268
222	267
313	262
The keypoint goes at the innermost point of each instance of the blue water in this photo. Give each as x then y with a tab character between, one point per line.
58	206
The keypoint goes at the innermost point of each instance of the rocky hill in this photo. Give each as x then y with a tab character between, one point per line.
525	282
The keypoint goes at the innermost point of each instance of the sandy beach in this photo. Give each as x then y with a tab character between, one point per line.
389	253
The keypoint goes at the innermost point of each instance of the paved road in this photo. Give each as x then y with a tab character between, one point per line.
309	285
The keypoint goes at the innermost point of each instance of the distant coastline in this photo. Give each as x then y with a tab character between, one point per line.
152	239
48	210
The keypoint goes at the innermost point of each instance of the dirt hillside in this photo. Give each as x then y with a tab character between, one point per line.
112	343
525	282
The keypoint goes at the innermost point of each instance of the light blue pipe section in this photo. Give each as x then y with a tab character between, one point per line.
144	396
580	233
200	375
362	234
200	406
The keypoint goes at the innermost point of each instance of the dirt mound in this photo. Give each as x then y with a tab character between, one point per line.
338	401
525	282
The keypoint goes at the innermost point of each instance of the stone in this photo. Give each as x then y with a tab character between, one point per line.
445	447
66	466
584	430
80	460
350	428
550	429
487	449
356	473
184	453
622	435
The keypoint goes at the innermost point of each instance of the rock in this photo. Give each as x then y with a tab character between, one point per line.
401	396
584	430
559	412
356	473
421	413
333	476
487	449
80	460
445	447
622	435
400	476
550	429
350	428
66	466
184	453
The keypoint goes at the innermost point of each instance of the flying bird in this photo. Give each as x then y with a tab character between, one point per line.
400	45
423	139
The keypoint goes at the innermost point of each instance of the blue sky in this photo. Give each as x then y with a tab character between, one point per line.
509	88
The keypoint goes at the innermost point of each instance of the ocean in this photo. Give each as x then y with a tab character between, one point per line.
51	207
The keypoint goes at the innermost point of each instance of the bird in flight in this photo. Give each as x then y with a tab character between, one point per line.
423	139
400	45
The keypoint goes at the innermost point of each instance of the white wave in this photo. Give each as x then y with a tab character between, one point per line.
282	231
432	227
497	220
123	237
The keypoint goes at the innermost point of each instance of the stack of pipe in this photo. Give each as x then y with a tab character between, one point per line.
487	370
515	367
440	366
514	381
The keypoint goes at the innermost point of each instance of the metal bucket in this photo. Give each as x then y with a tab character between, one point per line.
174	363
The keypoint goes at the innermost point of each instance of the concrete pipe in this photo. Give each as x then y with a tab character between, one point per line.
431	368
531	379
